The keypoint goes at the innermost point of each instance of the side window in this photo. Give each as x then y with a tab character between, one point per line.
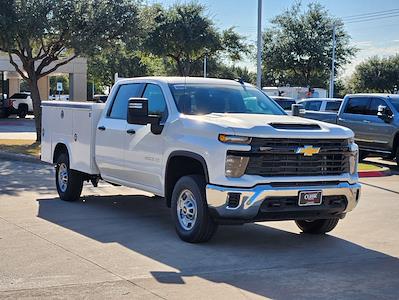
357	106
314	105
125	92
156	100
373	107
333	106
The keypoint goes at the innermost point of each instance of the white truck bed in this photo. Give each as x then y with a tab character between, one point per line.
73	124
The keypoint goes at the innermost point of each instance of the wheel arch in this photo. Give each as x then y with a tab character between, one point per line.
181	163
58	150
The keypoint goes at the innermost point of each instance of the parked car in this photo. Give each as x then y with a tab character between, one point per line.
284	102
218	151
19	104
100	98
375	120
322	109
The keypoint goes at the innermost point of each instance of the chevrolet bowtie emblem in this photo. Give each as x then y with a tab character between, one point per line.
307	150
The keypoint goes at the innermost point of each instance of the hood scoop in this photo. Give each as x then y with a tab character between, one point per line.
293	126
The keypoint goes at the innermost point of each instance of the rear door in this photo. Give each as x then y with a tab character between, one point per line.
144	150
354	115
111	133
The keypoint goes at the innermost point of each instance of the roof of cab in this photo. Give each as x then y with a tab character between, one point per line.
183	80
372	95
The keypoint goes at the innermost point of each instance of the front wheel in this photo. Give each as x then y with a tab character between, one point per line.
69	182
317	226
190	213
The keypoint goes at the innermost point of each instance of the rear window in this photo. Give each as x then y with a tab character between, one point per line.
285	104
333	106
357	106
19	96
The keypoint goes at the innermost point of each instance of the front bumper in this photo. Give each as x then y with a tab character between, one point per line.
252	204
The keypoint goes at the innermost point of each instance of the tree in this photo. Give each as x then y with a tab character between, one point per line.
376	74
46	34
297	48
184	34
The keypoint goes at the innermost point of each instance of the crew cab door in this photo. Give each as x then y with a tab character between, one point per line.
144	150
111	133
353	117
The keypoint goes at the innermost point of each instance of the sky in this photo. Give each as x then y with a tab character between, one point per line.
378	37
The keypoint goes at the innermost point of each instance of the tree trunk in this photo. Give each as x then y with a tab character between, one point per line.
37	109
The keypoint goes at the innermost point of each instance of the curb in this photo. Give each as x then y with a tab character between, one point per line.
20	157
375	173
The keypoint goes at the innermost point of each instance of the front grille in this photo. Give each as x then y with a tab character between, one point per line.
278	157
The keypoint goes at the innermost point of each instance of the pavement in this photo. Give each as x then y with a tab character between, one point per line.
120	243
15	128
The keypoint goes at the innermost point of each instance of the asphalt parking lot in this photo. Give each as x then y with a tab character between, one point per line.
15	128
120	243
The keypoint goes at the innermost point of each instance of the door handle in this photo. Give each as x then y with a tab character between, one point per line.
131	131
102	128
366	121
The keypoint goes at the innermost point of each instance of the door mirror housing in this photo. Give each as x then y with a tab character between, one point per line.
297	110
137	113
384	113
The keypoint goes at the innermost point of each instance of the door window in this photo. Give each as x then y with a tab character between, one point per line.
357	106
373	107
313	105
125	92
333	106
156	100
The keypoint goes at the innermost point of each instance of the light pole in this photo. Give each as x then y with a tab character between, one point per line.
332	78
205	61
259	46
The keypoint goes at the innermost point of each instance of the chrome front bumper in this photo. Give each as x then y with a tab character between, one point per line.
252	198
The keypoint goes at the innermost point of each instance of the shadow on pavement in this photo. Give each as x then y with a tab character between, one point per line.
256	258
17	177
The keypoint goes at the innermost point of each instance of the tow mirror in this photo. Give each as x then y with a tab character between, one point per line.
297	110
384	113
137	113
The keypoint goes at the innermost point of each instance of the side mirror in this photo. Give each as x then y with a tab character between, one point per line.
297	110
384	113
137	113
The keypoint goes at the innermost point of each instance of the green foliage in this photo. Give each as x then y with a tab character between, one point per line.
379	75
298	47
187	35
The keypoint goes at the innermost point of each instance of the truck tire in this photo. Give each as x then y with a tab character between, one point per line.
317	226
190	213
22	111
69	182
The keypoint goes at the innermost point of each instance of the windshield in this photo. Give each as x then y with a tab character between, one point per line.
200	99
395	101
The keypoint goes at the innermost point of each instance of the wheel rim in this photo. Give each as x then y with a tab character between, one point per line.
187	209
62	177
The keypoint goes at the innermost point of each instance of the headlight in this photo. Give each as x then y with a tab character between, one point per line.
234	139
235	165
353	159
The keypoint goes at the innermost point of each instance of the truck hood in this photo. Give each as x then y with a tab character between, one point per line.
283	126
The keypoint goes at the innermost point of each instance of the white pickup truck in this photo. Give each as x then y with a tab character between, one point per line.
218	151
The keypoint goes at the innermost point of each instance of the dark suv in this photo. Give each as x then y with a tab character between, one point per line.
375	120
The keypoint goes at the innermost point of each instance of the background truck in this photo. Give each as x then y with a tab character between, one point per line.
374	118
218	151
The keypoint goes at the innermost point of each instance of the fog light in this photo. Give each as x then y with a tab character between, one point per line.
235	165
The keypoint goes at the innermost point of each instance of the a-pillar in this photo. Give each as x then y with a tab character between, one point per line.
77	87
13	86
44	87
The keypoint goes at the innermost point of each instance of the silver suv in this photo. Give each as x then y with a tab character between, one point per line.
375	120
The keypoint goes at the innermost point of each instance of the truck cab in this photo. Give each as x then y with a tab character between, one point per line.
218	151
374	118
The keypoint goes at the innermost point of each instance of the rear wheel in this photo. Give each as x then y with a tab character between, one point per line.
69	182
22	111
190	213
317	226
